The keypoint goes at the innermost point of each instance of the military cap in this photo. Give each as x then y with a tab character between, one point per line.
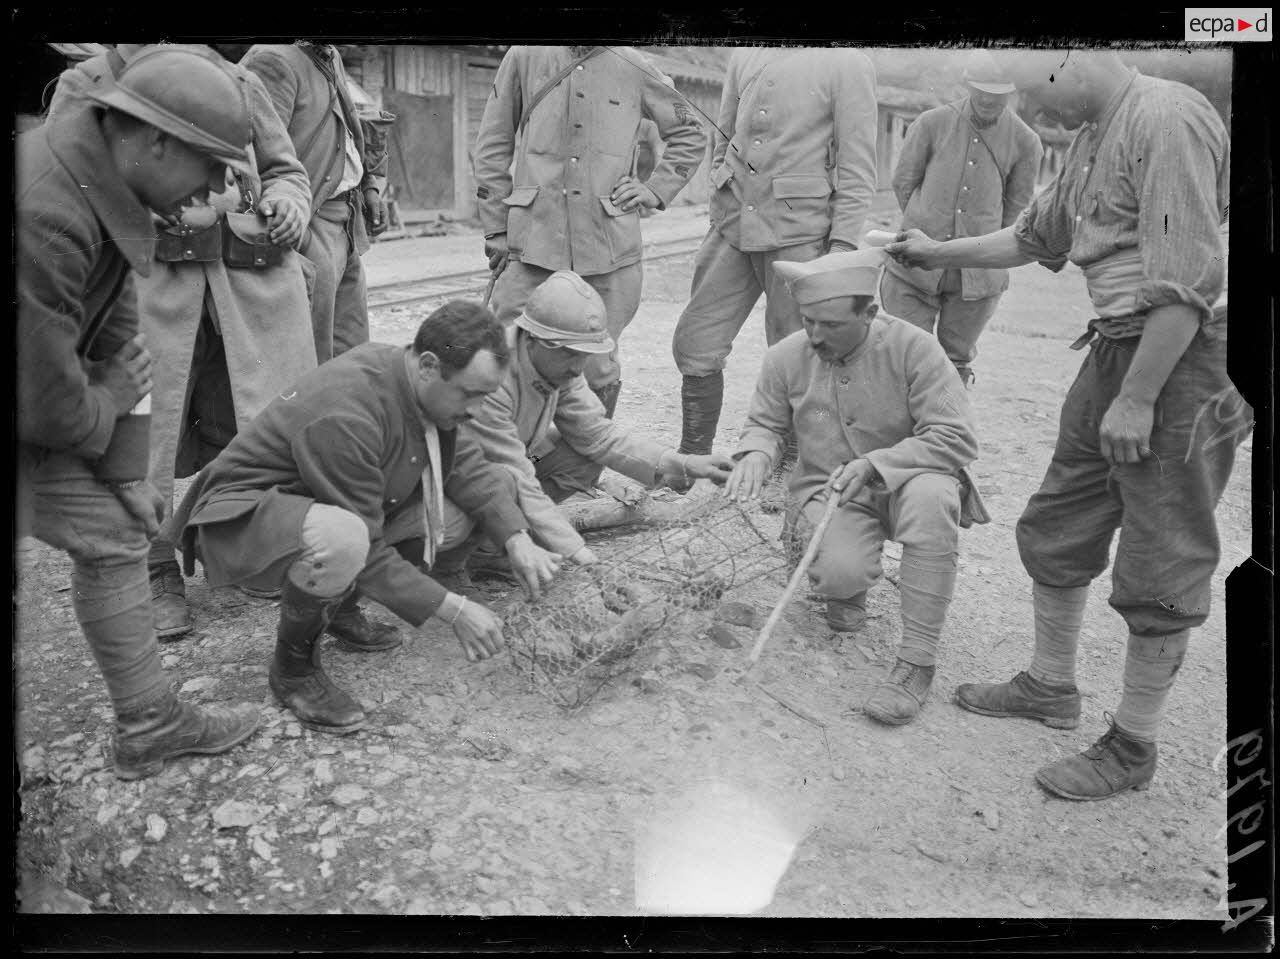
983	73
565	311
855	273
189	93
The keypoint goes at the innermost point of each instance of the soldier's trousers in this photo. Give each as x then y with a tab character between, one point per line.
726	285
959	321
340	302
1163	505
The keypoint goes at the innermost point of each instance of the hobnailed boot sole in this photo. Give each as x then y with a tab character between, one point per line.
1058	791
1054	722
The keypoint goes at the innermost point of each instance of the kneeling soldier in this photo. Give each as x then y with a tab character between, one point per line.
338	487
546	425
156	137
881	416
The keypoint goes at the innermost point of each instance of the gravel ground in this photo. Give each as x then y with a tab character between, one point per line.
470	794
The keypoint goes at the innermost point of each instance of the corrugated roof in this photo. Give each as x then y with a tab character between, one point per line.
79	51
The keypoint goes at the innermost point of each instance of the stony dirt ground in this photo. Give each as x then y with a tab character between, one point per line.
470	794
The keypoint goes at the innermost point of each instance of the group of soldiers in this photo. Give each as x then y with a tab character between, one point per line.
222	207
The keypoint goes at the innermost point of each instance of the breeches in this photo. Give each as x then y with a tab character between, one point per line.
620	291
726	285
959	321
923	514
1163	506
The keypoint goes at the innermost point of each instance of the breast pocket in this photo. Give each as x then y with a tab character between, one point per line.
519	216
801	207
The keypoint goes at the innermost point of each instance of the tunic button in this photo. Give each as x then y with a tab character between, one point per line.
757	143
970	163
959	211
573	159
393	500
975	139
764	112
579	66
1077	219
964	188
413	459
752	208
565	192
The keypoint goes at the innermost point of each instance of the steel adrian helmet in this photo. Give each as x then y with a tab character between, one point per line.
189	93
566	311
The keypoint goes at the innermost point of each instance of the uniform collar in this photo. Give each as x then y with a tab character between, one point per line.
978	122
534	378
78	143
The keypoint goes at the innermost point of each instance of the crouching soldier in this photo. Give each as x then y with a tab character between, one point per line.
551	430
880	416
337	488
159	135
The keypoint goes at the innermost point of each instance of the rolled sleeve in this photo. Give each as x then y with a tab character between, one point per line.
1043	229
1178	215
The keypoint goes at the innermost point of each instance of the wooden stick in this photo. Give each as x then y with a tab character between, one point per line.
493	278
800	711
833	500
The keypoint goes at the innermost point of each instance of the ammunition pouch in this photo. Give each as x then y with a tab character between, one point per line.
246	243
187	244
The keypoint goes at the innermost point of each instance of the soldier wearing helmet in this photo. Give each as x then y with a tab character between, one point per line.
546	424
209	319
160	134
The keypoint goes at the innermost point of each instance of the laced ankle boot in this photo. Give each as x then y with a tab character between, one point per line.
146	737
296	676
1115	763
169	610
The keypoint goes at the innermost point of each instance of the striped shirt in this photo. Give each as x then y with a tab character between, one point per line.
1138	205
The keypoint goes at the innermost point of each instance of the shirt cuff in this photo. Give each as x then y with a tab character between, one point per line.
1157	293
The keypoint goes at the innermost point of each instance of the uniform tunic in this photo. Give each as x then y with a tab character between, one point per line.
794	169
348	434
527	418
1138	206
581	137
954	180
894	401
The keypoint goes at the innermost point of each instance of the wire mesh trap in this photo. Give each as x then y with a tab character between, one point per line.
596	623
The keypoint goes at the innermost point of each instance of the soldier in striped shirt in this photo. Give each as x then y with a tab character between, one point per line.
1149	428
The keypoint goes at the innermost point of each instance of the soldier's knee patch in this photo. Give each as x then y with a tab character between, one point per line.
335	547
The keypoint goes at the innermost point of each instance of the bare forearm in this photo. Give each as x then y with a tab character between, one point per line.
991	251
1165	337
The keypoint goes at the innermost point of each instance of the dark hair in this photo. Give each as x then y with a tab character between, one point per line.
457	331
861	302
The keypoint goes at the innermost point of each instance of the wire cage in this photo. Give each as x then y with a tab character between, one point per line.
599	622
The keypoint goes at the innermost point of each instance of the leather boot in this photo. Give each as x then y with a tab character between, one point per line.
701	398
145	738
358	633
898	699
169	610
1024	697
296	676
450	567
608	395
847	615
1114	763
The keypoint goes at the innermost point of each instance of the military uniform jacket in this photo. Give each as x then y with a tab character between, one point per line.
79	232
795	156
895	401
954	180
347	434
580	139
523	419
263	315
317	116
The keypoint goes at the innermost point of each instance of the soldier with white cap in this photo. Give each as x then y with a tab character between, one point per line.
547	425
966	168
160	134
880	417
